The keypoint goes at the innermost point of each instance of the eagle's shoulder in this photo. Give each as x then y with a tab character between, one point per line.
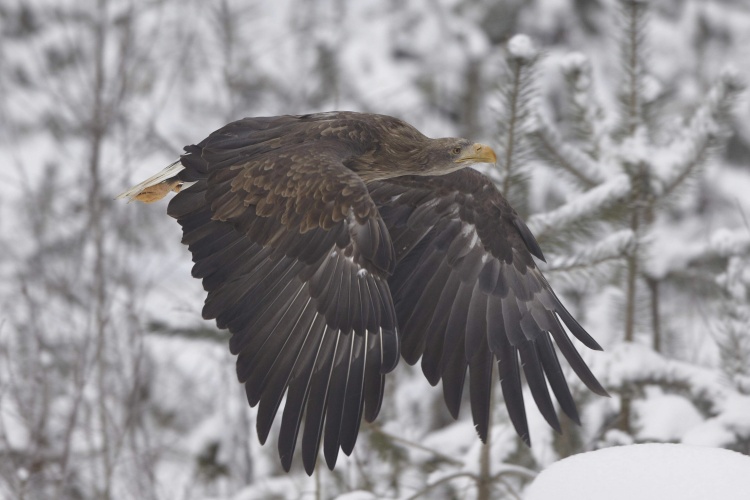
369	126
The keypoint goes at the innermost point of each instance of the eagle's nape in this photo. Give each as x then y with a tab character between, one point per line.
332	244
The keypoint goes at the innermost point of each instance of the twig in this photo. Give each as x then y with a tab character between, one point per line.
442	480
512	128
393	437
547	138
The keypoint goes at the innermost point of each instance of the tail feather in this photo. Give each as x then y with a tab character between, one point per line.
157	186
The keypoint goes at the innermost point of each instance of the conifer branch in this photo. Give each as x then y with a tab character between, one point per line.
587	112
633	14
440	481
613	247
697	267
705	388
511	133
732	338
698	154
728	243
516	94
704	133
392	437
566	157
599	198
507	470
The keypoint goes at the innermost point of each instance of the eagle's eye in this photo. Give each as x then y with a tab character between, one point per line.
456	150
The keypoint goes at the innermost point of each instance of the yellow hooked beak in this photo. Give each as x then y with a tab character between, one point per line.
477	153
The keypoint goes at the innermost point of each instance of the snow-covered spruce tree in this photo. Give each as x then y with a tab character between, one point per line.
75	379
631	170
83	414
732	327
513	116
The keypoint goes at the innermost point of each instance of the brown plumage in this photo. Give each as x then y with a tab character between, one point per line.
330	243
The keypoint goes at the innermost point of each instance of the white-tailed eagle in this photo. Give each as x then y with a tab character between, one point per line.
331	244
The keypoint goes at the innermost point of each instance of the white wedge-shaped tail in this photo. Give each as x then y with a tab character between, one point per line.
157	186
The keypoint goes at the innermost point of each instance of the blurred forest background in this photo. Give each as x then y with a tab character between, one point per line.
624	140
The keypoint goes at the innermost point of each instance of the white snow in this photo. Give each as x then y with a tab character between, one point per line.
615	188
611	247
631	362
728	242
664	417
731	423
710	433
542	127
636	150
646	472
357	495
575	61
453	440
521	47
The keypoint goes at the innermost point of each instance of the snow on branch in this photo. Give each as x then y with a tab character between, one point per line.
596	199
521	47
613	247
675	260
704	132
727	428
516	94
727	243
631	364
632	97
588	114
567	158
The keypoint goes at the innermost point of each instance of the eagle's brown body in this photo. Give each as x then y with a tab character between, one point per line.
330	243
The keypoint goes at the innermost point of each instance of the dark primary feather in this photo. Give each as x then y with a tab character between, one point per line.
294	257
456	234
326	258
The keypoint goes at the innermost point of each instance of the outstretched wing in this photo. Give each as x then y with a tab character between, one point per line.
467	291
294	257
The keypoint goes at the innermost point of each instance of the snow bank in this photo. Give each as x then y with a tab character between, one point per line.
646	471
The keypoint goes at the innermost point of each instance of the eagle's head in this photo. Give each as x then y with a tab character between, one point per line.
394	149
448	154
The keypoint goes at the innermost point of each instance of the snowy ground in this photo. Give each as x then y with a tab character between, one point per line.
646	472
